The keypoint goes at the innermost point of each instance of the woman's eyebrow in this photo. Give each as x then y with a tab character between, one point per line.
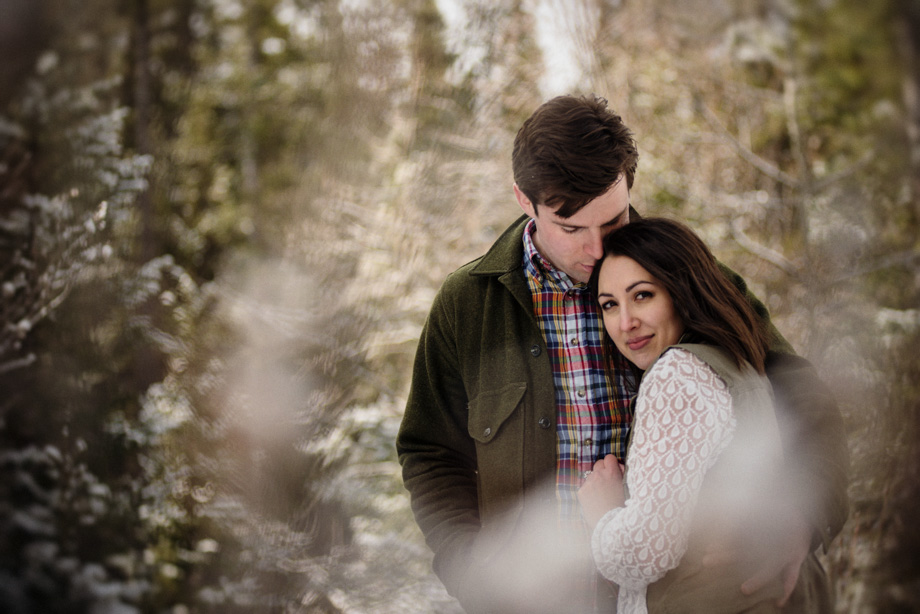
636	283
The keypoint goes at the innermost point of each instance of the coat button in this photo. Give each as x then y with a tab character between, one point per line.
544	423
535	350
487	432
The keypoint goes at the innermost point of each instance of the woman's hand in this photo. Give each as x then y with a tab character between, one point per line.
602	490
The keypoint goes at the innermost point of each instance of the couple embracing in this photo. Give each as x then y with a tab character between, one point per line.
602	418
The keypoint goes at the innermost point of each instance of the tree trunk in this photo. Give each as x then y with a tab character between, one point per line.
142	118
908	30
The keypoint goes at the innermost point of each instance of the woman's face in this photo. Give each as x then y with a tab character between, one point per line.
638	311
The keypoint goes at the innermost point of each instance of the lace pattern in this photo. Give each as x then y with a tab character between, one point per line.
683	421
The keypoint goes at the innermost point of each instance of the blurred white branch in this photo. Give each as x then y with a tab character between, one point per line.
749	156
905	258
19	363
773	257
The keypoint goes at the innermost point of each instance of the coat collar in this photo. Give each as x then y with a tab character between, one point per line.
506	254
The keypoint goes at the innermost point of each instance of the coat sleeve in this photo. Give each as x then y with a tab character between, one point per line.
437	455
812	430
778	343
814	441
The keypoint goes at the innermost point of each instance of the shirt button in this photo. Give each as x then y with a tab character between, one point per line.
573	341
581	393
535	350
544	423
588	442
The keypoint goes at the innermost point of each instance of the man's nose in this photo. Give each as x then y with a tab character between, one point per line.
595	245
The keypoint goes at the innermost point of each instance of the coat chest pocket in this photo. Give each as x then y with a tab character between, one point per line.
496	423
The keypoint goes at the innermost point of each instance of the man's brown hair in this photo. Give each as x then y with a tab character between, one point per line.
570	151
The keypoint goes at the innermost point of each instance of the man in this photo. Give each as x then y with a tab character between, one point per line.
510	402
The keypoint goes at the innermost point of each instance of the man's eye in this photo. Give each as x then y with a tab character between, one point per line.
569	230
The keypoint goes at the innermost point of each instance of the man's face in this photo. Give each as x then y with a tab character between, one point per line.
575	244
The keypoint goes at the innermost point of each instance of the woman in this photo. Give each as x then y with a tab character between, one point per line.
703	466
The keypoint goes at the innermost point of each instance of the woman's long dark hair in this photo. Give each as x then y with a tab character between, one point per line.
714	311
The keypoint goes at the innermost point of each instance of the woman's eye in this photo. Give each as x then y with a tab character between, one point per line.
608	305
643	295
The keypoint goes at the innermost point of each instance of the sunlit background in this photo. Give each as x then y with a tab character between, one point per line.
222	223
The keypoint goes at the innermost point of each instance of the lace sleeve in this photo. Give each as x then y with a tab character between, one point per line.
683	421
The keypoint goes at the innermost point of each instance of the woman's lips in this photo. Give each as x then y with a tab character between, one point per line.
638	343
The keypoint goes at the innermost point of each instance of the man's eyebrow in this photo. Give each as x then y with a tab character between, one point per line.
608	223
618	217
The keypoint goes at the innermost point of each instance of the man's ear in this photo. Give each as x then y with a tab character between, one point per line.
524	202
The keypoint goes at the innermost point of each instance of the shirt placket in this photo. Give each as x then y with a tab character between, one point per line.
576	344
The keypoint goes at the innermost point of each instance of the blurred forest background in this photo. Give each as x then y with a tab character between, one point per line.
222	223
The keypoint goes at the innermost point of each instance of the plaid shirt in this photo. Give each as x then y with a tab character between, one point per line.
592	416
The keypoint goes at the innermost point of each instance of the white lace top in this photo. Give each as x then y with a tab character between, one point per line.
683	421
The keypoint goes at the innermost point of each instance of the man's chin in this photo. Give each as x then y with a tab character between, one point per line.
583	275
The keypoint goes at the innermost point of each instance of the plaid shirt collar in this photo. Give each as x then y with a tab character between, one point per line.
539	268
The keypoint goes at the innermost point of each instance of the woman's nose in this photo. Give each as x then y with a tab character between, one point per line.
627	321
